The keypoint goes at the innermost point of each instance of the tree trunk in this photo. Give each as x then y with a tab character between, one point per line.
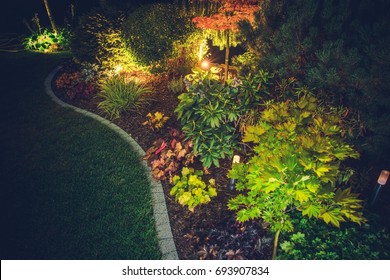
53	25
227	56
276	243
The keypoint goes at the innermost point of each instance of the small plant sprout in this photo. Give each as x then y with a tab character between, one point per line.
156	120
382	180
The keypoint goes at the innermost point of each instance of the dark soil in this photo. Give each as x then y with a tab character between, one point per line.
211	231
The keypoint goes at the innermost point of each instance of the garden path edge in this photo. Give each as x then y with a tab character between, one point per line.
163	227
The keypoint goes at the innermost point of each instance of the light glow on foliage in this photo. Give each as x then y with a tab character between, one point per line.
299	147
229	14
205	65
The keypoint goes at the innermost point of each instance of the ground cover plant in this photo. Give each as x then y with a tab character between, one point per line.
314	240
295	135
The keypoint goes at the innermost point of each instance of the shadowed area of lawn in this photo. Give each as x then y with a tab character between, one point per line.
70	188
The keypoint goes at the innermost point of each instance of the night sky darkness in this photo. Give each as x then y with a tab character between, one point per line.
12	12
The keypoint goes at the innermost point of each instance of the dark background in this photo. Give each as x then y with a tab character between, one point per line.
12	12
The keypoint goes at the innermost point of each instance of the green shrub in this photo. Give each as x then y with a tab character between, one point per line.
48	41
119	95
299	146
98	41
151	30
315	241
210	112
189	189
85	43
340	48
207	112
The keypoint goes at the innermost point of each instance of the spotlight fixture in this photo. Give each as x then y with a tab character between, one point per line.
382	180
232	182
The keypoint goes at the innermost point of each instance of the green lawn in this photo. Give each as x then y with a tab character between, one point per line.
70	187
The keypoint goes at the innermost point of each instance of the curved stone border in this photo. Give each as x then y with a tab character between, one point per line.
164	232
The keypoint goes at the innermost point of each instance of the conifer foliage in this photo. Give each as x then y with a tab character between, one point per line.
340	48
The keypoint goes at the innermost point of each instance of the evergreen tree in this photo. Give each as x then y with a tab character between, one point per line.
340	48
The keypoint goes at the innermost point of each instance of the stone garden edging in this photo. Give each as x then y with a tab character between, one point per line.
163	227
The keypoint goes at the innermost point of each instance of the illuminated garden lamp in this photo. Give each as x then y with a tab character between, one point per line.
232	183
382	180
205	65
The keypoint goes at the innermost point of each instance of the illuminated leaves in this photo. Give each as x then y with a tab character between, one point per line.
333	216
296	165
229	14
156	120
252	133
190	190
312	210
302	196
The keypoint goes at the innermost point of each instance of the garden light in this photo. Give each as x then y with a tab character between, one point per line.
383	177
382	180
232	183
205	65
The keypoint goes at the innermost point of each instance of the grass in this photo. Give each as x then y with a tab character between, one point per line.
69	187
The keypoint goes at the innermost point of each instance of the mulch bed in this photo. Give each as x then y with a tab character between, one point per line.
211	232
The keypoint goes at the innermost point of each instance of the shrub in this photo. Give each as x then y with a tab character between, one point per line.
207	112
338	47
98	41
296	165
190	190
210	111
151	30
119	95
314	240
85	43
48	41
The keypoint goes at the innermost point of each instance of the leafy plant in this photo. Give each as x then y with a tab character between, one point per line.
156	120
296	164
165	157
314	240
75	86
207	112
48	41
222	25
176	85
231	240
98	41
341	49
119	95
151	30
190	190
